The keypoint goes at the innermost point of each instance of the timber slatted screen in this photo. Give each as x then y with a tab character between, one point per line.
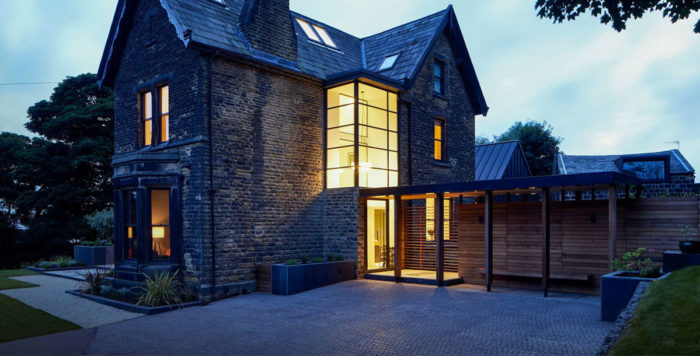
419	252
579	235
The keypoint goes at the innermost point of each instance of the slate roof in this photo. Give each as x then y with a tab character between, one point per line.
493	159
207	24
572	164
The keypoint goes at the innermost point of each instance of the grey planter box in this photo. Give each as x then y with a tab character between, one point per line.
94	255
293	279
674	260
616	290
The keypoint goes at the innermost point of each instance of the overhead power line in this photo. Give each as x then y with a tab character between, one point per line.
27	83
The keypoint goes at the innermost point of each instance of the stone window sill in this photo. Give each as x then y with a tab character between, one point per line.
441	164
441	96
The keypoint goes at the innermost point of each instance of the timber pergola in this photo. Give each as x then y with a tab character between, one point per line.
545	185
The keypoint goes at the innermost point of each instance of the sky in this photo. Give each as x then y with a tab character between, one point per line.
602	91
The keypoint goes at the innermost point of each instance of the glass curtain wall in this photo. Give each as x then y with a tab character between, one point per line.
361	137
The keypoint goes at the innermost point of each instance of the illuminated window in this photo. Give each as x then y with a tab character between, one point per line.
439	77
147	118
155	131
129	224
368	157
388	62
430	219
160	224
439	140
164	110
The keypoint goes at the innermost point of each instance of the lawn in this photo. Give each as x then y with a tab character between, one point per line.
18	320
7	283
667	319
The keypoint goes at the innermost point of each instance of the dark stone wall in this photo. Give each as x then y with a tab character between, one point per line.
270	204
425	106
268	27
154	54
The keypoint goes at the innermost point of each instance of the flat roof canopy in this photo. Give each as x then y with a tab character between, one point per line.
558	182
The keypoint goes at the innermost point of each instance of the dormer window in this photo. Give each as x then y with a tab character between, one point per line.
388	62
648	169
316	33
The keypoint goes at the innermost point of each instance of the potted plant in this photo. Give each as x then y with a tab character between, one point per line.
690	244
100	251
618	287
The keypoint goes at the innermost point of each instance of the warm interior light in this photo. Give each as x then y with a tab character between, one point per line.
158	232
365	166
130	233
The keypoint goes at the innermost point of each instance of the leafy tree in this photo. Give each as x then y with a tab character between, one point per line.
616	11
482	140
537	141
50	183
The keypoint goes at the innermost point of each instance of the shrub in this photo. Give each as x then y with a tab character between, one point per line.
93	281
162	289
304	258
317	260
103	222
53	265
63	261
43	264
87	243
638	261
291	262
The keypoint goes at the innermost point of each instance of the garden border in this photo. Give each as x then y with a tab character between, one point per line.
132	307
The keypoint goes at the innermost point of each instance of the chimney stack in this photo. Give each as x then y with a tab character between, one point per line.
268	27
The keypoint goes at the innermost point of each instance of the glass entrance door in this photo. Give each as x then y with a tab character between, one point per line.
379	244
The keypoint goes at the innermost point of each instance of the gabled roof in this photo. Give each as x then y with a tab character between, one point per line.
493	161
571	164
205	24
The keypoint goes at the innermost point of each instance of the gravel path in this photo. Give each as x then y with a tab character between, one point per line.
52	298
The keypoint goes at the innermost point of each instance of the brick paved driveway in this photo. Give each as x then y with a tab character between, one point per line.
356	317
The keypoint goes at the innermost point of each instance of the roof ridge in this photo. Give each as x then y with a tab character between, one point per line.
407	23
497	143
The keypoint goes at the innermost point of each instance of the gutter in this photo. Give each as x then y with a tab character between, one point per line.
212	192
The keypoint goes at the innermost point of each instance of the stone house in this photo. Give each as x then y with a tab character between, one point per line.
665	173
244	132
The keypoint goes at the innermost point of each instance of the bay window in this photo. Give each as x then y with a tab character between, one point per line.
361	137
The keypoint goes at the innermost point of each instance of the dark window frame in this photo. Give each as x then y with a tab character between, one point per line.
665	159
438	63
143	186
156	114
126	213
442	140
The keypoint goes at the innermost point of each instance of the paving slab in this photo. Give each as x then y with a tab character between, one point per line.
359	317
51	297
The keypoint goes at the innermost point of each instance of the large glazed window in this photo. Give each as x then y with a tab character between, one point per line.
160	224
361	137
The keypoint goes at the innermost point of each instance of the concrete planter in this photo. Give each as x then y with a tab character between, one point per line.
94	255
674	260
616	290
293	279
134	308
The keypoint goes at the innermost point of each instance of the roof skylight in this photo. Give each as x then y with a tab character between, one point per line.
307	30
316	33
389	62
324	36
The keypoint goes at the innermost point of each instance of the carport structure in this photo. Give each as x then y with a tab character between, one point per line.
545	191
